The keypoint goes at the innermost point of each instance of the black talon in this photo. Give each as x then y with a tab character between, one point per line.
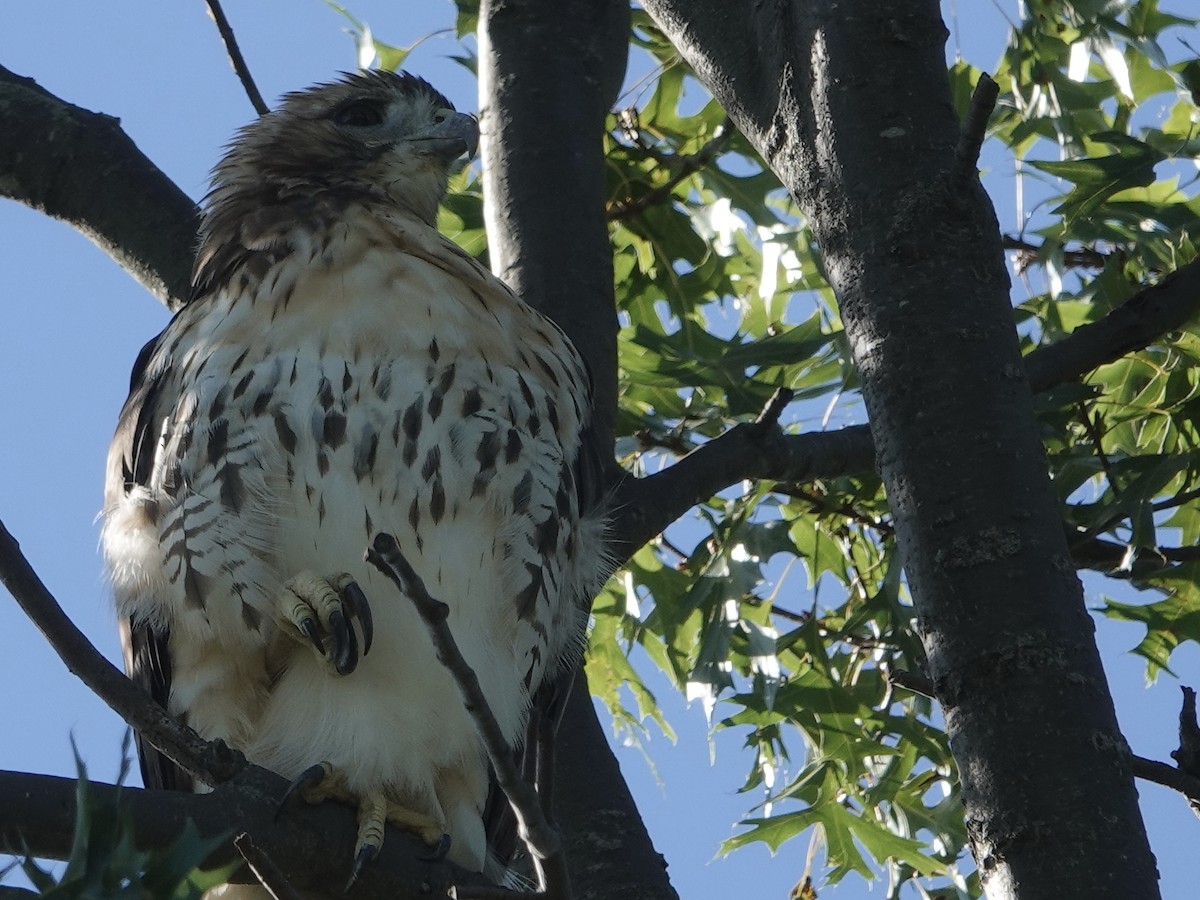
365	857
345	643
439	852
310	777
357	607
309	627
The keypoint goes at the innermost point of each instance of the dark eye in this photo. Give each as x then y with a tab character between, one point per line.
359	114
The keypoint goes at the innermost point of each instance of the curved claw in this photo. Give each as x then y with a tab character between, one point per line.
438	853
310	777
345	643
309	627
357	607
365	856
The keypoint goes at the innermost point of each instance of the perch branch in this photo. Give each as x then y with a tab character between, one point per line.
235	56
543	840
38	812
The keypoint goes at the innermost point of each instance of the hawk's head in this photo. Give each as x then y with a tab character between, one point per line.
371	135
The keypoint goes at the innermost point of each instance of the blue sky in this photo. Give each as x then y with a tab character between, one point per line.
74	321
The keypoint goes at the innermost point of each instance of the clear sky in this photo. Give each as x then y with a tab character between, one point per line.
73	322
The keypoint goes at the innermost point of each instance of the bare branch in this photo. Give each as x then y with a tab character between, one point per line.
642	507
1141	320
974	130
914	682
235	56
686	165
1029	253
212	763
543	840
1167	776
80	167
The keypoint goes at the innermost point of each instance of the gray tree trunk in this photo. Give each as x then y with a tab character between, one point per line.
850	105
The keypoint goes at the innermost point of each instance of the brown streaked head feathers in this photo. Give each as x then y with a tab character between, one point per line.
371	137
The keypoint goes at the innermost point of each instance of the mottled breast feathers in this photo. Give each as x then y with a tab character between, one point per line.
344	369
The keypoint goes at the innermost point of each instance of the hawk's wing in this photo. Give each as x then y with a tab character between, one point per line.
550	701
147	658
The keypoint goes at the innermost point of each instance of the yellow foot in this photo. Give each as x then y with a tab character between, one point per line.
323	612
375	811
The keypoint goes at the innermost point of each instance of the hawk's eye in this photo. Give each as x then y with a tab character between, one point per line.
359	114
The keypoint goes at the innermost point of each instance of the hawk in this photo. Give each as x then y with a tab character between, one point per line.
344	370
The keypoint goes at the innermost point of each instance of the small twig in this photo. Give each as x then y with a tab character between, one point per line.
686	166
914	682
1028	253
1187	757
1177	500
676	443
268	874
212	763
822	504
974	130
543	840
799	618
1092	427
769	417
235	56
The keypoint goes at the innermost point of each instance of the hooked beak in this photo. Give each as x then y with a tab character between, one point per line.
457	136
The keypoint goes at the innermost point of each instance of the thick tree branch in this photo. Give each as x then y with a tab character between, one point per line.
869	154
642	507
549	71
37	814
974	130
80	167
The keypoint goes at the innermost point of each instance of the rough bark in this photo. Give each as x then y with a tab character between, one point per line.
549	72
850	106
80	167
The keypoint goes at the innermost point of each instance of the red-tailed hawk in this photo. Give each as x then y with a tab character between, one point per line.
345	370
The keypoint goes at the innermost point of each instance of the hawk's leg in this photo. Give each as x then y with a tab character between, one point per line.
323	612
324	782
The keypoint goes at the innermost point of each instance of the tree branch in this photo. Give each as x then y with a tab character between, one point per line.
543	841
685	166
212	763
1140	321
1028	253
37	813
235	57
974	130
80	167
1167	776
